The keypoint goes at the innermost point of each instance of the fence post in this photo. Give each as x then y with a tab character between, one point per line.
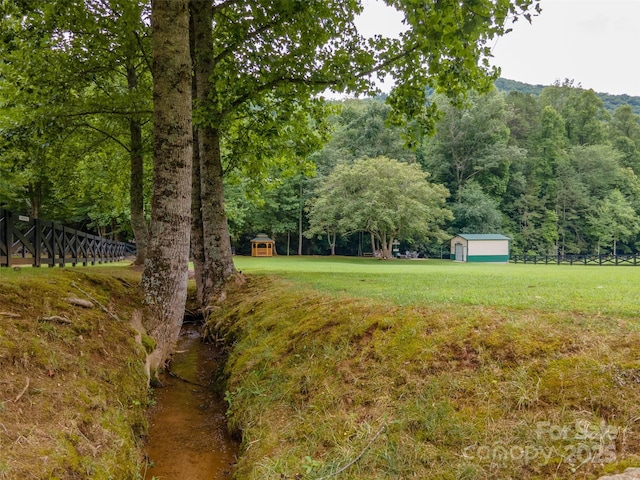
9	227
37	250
4	241
65	246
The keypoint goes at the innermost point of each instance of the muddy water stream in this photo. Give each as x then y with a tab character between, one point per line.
188	436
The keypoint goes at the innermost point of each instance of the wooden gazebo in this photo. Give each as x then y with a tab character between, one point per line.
262	246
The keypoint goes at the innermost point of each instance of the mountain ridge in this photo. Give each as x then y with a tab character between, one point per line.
611	102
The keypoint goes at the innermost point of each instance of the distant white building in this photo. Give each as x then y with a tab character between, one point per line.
476	247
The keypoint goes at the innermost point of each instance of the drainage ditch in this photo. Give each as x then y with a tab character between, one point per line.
188	436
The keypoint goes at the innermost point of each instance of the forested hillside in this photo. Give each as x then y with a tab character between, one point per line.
556	172
611	102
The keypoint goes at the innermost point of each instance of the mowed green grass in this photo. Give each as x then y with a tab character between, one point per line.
428	369
593	290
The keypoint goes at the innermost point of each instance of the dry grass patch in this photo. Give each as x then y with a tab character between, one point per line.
72	380
321	386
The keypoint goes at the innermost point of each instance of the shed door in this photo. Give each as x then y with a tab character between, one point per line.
459	252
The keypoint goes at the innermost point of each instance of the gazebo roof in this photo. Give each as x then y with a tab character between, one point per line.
262	238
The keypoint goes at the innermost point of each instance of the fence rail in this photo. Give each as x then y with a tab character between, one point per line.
609	259
36	242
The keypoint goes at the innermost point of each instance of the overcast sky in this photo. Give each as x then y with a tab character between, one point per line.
594	42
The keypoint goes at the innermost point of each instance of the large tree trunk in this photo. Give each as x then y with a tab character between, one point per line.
165	276
332	237
197	234
218	261
218	267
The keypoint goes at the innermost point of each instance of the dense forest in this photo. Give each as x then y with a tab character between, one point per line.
553	168
556	172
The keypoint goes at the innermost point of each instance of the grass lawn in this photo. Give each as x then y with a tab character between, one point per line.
366	369
606	290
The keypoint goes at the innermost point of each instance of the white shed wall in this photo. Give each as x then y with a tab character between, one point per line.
488	247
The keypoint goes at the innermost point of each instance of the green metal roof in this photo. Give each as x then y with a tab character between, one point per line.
482	236
261	237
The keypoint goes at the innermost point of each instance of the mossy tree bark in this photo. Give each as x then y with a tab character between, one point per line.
217	261
197	235
165	276
218	264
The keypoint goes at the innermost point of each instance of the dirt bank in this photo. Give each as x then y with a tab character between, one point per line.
73	390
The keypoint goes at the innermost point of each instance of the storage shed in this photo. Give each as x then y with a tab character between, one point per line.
476	247
262	246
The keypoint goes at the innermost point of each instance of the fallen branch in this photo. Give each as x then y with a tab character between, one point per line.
79	302
112	315
175	375
9	314
55	318
355	460
22	392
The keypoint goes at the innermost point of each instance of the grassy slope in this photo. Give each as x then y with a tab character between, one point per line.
82	414
433	369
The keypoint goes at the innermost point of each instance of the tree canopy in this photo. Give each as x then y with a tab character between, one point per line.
388	199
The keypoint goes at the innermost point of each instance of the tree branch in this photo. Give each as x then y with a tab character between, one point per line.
315	82
145	57
108	135
250	36
108	112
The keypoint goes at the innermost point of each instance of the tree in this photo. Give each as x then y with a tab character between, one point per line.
522	118
615	220
325	211
362	129
472	144
582	111
585	118
389	199
165	275
260	55
624	132
276	209
476	212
